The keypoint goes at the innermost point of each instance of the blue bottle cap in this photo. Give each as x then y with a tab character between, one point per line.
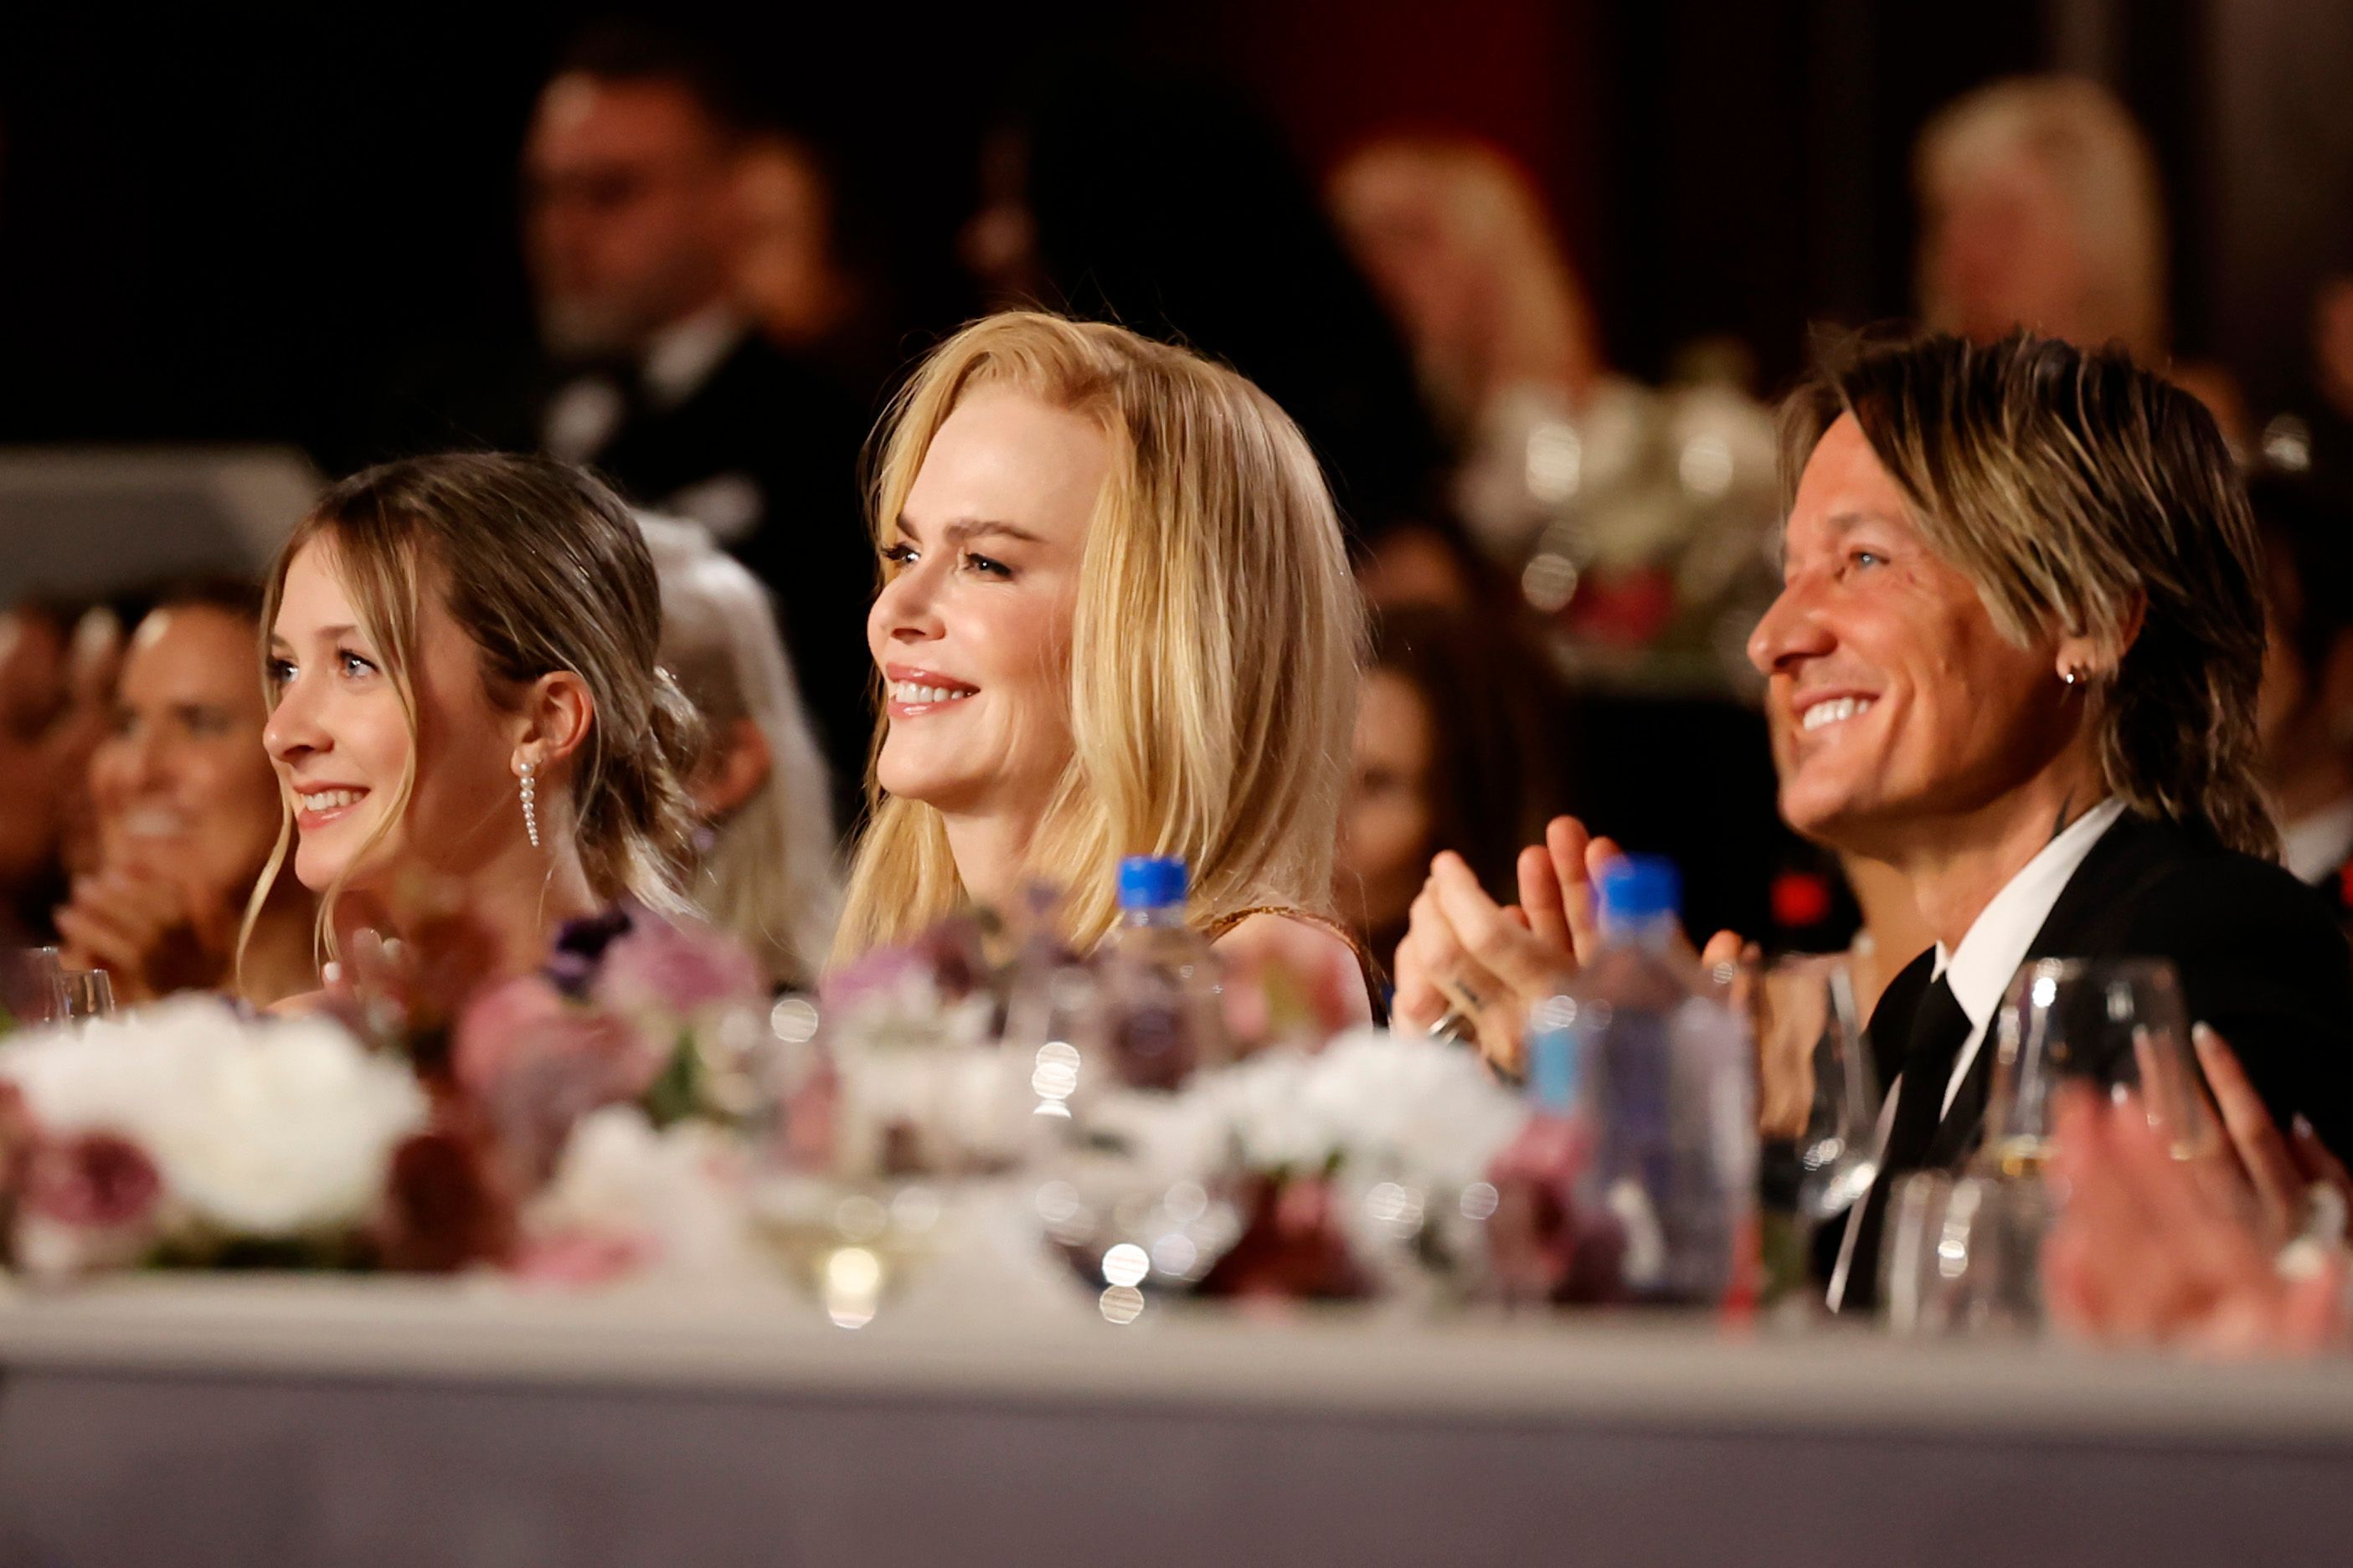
1638	887
1151	881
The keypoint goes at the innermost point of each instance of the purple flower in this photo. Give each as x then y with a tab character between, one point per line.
675	971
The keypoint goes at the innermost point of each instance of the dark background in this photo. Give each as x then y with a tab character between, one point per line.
238	222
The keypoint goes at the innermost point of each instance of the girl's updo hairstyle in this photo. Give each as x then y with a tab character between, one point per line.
545	569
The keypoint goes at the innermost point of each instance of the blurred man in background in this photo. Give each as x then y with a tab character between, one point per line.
633	227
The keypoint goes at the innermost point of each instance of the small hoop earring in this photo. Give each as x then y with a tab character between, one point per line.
531	802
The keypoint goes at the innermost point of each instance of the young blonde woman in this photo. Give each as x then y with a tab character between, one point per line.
1116	619
466	707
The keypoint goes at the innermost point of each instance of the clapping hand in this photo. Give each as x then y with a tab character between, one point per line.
1488	963
2155	1249
153	934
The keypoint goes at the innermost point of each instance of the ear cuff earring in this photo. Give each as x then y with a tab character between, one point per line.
531	802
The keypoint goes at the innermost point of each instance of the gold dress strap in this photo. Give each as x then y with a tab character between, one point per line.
1222	926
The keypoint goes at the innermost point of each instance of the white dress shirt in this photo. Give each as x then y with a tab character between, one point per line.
2314	845
1979	970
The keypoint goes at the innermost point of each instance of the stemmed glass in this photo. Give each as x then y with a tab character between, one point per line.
1821	1088
2115	1023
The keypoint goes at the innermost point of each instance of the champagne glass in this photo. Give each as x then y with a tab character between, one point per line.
32	987
2115	1023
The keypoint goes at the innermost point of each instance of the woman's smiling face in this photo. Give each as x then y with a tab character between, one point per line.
972	628
342	742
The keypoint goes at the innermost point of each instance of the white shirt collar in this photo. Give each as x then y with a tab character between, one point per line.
2314	846
682	355
1997	941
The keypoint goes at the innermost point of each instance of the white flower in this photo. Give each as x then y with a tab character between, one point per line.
274	1128
678	1192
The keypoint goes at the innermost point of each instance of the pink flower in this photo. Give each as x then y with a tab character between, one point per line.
89	1202
92	1179
537	1063
676	970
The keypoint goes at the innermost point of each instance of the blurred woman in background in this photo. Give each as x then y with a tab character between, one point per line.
1458	735
2042	207
1636	516
763	848
187	811
1116	619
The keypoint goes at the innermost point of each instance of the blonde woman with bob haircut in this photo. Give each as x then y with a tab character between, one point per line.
465	703
1116	618
763	862
2014	658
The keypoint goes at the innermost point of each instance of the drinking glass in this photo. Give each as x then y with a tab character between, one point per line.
32	987
1806	1019
89	993
2115	1023
1963	1254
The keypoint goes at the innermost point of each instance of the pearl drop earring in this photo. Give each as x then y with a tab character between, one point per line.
530	803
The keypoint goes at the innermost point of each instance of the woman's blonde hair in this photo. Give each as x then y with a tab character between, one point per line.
544	569
2083	495
1214	648
766	872
1534	323
2089	145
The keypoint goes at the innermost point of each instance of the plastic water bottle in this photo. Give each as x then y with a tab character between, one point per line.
1159	981
1662	1067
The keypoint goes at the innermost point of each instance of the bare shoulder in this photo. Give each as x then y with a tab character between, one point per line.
1315	952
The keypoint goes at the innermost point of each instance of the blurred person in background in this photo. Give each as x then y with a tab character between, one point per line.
187	811
1638	519
1164	202
57	664
2305	712
1458	745
763	847
35	700
1634	521
794	275
2041	208
635	229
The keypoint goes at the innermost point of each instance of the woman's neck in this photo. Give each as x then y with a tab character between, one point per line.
279	958
992	855
518	900
1960	863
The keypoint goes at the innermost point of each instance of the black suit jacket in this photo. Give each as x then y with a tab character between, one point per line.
2259	956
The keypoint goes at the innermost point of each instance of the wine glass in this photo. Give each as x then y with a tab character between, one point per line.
1964	1254
32	987
2113	1023
1810	1004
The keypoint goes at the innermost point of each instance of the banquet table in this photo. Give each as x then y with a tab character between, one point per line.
260	1420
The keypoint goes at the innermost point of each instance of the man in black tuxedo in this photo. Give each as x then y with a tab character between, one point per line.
656	380
2016	656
